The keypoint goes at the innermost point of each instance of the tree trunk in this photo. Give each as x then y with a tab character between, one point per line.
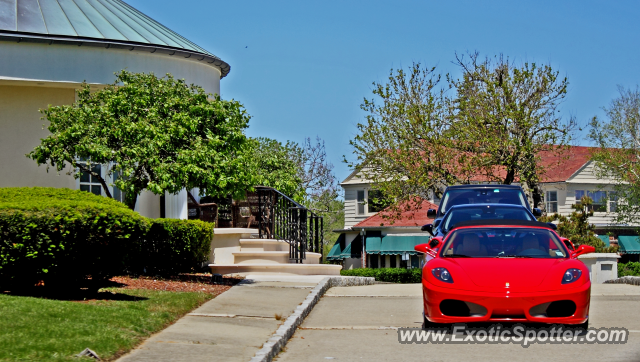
131	201
510	177
105	187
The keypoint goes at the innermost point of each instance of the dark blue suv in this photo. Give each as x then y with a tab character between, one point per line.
478	194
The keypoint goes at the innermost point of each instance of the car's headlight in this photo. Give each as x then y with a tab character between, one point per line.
571	276
442	274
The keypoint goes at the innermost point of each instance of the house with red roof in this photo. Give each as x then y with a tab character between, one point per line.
569	175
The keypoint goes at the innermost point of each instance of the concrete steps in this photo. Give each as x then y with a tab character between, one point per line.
236	253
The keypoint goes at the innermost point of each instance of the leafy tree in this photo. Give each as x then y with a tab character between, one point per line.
418	138
317	176
160	134
303	173
405	146
507	115
618	156
278	166
576	227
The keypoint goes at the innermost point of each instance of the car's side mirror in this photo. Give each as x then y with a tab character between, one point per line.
435	242
568	243
536	212
552	226
431	213
421	248
428	228
585	249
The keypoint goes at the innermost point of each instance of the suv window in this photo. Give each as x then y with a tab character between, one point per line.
484	213
465	196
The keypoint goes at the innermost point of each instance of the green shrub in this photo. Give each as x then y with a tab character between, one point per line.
173	246
393	275
60	235
631	268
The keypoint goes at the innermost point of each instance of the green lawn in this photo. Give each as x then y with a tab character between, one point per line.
34	329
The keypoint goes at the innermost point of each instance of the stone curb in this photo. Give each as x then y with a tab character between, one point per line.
279	339
624	280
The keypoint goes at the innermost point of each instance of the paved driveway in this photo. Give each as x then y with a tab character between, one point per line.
353	324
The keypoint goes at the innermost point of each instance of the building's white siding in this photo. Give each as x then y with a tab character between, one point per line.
351	216
585	180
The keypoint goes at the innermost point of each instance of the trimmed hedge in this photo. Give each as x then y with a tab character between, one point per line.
393	275
62	235
173	246
629	269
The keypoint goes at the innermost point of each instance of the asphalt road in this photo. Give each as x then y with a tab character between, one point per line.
358	324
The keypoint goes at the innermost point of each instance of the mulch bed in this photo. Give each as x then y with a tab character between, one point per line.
90	290
181	283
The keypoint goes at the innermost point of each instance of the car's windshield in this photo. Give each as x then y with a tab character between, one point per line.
503	242
484	212
481	196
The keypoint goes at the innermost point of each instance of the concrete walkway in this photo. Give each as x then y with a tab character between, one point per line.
230	327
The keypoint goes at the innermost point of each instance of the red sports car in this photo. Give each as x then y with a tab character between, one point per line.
504	271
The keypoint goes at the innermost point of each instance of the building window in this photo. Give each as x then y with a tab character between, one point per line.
361	203
392	261
91	183
375	201
613	202
599	199
551	198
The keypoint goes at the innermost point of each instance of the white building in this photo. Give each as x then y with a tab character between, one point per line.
48	48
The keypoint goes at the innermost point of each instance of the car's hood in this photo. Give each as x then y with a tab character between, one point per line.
513	273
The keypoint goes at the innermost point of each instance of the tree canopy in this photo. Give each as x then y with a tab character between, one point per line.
277	165
159	134
422	133
618	156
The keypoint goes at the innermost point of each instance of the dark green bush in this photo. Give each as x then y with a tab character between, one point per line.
173	246
629	269
393	275
62	235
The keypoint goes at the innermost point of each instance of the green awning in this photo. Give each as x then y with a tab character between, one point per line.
629	244
353	250
336	250
605	240
399	244
373	244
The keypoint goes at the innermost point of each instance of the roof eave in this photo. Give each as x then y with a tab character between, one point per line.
210	59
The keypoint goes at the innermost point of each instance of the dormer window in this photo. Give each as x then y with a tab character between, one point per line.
361	202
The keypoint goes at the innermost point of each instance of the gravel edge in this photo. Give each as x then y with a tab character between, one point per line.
624	280
279	339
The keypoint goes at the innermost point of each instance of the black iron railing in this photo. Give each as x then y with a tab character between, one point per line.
281	218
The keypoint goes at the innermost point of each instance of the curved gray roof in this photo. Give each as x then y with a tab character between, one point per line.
110	23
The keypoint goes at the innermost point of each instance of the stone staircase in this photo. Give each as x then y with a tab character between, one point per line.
234	251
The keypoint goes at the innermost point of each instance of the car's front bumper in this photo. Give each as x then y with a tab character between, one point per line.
506	306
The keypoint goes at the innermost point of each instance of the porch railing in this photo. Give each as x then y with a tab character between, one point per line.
281	218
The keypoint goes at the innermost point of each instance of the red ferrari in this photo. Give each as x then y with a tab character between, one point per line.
504	271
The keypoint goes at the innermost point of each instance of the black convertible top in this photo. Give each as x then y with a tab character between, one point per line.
503	222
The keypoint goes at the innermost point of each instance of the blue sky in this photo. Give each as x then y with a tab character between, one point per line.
302	68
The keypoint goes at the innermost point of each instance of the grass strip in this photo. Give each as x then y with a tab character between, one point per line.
35	329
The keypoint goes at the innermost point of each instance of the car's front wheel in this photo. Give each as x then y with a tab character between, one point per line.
427	324
579	327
